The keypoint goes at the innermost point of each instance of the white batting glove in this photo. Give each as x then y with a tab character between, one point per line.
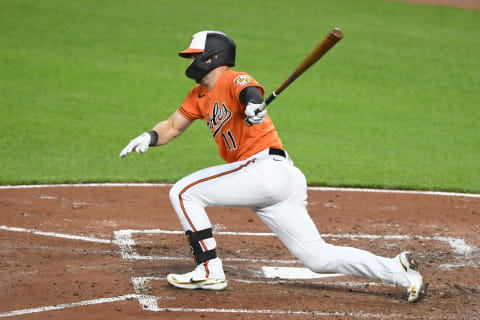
139	145
253	113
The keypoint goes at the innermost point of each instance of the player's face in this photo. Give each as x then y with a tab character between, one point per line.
193	57
196	55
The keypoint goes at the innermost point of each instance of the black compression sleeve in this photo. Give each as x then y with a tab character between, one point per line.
251	94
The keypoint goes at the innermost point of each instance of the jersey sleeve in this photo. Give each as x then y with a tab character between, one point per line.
190	109
241	81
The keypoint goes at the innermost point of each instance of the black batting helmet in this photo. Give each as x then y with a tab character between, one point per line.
214	45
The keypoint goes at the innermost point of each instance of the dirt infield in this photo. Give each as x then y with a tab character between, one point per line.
104	251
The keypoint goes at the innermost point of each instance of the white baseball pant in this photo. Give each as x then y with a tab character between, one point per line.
276	190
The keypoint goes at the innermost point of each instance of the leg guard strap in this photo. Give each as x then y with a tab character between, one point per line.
194	239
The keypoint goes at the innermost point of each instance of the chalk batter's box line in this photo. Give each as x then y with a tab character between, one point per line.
68	305
123	238
150	303
126	242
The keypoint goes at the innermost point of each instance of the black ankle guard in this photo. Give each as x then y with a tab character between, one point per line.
194	239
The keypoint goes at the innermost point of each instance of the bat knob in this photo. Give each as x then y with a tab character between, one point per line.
337	33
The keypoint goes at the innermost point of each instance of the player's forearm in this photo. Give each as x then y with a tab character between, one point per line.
162	133
171	128
166	132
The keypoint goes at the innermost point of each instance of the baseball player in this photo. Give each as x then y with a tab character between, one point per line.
259	174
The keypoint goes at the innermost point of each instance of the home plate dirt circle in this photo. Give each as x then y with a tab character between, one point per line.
105	250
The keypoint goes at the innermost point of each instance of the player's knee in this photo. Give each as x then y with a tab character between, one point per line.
321	265
174	193
179	192
316	259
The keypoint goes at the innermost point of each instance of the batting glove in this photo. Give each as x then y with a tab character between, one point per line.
254	113
139	145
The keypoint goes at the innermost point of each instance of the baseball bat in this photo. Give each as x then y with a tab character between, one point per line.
319	51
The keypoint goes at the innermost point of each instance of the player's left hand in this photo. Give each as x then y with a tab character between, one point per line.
140	145
253	113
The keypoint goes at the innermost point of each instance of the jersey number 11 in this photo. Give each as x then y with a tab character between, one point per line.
229	141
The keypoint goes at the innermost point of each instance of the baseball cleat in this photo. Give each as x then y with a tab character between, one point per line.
206	276
186	281
417	289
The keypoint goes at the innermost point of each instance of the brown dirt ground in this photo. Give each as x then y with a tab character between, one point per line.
39	270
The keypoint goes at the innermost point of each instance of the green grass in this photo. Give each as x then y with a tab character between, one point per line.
394	105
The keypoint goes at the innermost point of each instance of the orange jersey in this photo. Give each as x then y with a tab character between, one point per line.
224	114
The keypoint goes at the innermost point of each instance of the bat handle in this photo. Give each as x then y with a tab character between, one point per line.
270	99
262	107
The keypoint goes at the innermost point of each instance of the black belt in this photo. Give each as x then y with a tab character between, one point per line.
277	152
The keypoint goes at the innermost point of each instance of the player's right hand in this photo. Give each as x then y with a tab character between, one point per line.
254	113
140	145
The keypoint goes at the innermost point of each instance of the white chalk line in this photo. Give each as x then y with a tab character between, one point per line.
149	303
56	235
68	305
124	239
415	192
359	314
76	185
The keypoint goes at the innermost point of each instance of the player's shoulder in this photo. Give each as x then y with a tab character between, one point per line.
239	78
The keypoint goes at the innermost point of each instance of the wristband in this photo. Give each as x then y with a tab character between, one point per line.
153	138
